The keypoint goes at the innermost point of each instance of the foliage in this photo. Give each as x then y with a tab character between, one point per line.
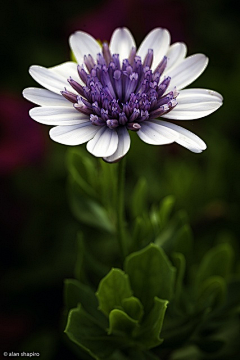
166	302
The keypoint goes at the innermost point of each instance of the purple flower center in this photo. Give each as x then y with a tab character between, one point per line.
121	96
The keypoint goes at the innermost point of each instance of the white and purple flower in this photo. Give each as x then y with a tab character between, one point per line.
117	88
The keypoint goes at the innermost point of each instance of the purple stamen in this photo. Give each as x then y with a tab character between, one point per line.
107	82
133	126
112	123
76	86
148	59
162	66
82	108
69	96
89	62
95	120
118	83
116	96
106	53
123	118
132	55
116	61
82	73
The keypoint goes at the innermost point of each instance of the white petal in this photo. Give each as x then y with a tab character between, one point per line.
195	104
82	44
45	97
55	115
104	143
49	79
73	134
176	53
152	132
121	43
66	69
158	40
123	145
186	138
200	94
187	71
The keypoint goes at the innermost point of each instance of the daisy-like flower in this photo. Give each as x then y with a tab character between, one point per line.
116	88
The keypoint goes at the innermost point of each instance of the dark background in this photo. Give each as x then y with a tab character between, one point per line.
38	232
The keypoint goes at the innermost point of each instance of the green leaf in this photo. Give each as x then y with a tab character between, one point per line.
120	322
180	263
83	171
142	232
113	288
107	180
217	261
148	335
89	211
133	307
86	263
165	209
83	330
75	293
189	352
150	274
177	236
211	293
139	196
184	242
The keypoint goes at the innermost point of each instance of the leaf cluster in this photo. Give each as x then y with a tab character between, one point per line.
166	289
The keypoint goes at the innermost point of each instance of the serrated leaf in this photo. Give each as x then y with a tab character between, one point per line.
75	293
133	307
120	323
217	261
165	209
151	274
83	330
148	335
112	290
211	293
139	196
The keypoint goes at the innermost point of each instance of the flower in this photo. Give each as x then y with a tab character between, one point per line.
117	88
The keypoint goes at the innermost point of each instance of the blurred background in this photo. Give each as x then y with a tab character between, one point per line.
38	231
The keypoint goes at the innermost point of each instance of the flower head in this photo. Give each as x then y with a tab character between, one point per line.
116	88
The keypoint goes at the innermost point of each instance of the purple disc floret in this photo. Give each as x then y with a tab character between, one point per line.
127	95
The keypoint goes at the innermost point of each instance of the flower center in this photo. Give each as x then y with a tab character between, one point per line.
125	95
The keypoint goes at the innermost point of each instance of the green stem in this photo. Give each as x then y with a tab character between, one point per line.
120	208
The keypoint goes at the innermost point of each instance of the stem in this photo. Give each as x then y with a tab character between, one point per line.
120	208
